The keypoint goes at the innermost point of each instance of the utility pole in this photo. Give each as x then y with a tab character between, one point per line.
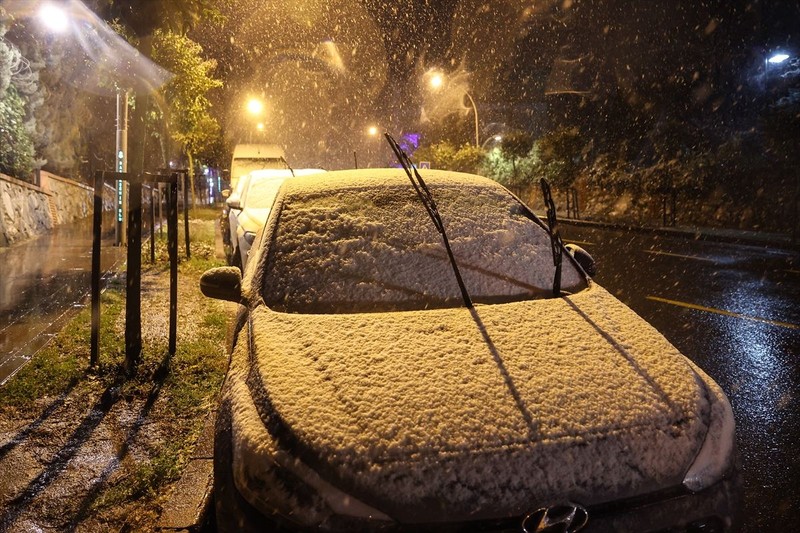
121	165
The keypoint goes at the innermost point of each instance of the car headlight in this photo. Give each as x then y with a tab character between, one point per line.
716	455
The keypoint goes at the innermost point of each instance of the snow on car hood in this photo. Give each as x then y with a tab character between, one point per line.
464	414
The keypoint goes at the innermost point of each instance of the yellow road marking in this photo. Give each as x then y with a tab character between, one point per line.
723	312
656	252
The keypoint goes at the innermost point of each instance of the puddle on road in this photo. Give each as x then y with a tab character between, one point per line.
43	282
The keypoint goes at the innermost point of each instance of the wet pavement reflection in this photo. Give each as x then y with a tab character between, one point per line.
42	282
732	309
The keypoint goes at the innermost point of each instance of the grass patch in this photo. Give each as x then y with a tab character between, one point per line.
163	405
63	363
143	479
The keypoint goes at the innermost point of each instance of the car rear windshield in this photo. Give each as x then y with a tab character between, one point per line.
261	193
376	249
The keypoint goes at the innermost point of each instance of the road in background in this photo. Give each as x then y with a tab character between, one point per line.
42	282
735	311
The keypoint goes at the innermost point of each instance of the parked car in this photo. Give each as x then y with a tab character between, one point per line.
363	394
250	207
249	157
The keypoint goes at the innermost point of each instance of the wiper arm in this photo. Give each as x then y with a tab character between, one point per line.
427	200
556	244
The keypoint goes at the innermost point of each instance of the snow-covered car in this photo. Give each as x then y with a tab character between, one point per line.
363	394
249	207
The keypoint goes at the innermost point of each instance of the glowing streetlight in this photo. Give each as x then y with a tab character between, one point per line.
54	17
372	131
255	106
260	126
436	81
778	58
775	59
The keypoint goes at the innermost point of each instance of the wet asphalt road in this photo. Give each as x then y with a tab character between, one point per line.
42	281
735	311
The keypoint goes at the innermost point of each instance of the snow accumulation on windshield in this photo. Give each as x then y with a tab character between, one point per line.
375	249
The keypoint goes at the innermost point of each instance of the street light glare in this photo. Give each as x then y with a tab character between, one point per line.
255	106
372	131
53	17
436	81
260	126
778	58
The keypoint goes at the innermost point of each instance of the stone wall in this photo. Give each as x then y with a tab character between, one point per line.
24	210
70	200
28	210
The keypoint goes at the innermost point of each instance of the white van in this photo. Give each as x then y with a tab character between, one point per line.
249	157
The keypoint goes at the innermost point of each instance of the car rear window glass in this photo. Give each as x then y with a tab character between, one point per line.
262	193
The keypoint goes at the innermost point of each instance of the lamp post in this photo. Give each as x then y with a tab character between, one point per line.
436	81
373	133
475	110
56	19
775	59
122	166
255	108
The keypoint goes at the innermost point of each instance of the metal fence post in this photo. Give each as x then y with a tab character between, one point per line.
172	245
97	222
186	186
133	293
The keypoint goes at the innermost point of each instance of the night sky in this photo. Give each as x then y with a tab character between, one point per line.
330	68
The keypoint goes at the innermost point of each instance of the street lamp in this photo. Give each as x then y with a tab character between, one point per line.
436	81
53	17
57	20
254	106
495	138
778	58
372	131
775	59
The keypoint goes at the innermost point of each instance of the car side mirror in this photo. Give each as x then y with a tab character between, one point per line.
583	258
222	283
234	203
225	193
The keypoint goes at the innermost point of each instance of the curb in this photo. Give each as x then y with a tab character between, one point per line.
754	238
188	507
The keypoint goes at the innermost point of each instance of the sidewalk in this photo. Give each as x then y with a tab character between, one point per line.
189	503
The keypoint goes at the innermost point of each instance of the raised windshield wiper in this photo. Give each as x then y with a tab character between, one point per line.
556	244
427	200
